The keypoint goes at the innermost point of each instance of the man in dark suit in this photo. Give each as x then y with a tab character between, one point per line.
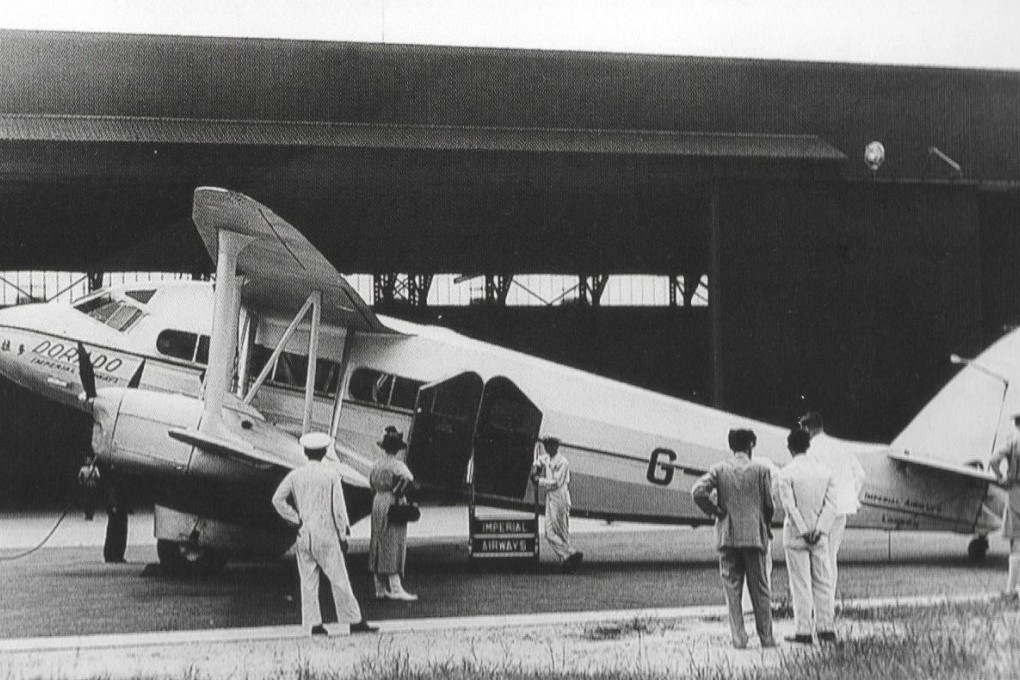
742	507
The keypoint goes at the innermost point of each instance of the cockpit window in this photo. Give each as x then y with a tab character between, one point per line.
116	314
123	317
142	296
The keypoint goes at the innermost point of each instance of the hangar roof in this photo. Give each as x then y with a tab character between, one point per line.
434	159
83	128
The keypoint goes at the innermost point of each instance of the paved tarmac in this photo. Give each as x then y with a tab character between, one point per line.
65	588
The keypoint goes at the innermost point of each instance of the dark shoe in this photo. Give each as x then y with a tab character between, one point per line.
768	643
800	639
571	563
319	630
827	636
362	626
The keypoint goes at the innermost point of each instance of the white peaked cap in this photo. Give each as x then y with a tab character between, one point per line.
316	440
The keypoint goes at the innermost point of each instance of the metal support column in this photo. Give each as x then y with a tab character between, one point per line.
95	281
384	287
497	287
715	308
590	288
418	286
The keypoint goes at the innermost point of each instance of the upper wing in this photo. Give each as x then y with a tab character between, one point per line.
280	268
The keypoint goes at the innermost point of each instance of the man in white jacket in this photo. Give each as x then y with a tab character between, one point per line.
847	474
552	473
311	499
807	492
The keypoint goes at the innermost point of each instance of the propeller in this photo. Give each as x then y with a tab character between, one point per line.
136	379
86	372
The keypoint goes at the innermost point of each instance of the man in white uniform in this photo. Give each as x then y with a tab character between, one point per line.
848	475
311	499
552	472
807	492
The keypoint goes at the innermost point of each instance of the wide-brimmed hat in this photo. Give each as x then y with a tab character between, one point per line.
393	440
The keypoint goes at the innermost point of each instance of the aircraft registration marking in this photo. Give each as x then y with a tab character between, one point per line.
60	357
662	466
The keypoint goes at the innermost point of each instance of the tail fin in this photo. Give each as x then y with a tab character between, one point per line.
968	416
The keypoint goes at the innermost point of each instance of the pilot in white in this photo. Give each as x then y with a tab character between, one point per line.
807	491
847	473
311	498
552	473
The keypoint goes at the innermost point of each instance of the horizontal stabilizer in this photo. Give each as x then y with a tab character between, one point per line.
230	448
942	466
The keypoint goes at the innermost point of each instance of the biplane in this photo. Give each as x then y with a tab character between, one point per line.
199	392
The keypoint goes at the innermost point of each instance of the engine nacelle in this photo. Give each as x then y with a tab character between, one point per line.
130	430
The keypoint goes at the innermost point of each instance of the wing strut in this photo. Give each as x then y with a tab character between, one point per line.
313	302
313	359
223	343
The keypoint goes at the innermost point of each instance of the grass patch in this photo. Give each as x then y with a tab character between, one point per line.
620	629
946	642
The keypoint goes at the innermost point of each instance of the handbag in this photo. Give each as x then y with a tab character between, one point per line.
403	512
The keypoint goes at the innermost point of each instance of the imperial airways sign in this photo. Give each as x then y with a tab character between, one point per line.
504	537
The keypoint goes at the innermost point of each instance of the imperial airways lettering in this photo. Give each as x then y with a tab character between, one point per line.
905	503
504	527
504	545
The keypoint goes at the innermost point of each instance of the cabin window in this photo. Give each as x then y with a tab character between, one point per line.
291	370
202	355
375	387
116	314
183	345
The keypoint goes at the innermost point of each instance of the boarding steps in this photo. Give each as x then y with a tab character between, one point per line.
495	533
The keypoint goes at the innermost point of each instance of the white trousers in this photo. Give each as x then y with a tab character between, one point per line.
1013	577
811	587
557	527
835	538
324	557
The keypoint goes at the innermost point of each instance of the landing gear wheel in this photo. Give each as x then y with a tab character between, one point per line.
978	548
186	558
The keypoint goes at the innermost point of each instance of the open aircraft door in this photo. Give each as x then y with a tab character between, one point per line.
505	436
439	448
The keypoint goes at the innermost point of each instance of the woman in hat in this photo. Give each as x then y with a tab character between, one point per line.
387	550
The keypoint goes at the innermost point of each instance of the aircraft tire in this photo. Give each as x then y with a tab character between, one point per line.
183	558
978	548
